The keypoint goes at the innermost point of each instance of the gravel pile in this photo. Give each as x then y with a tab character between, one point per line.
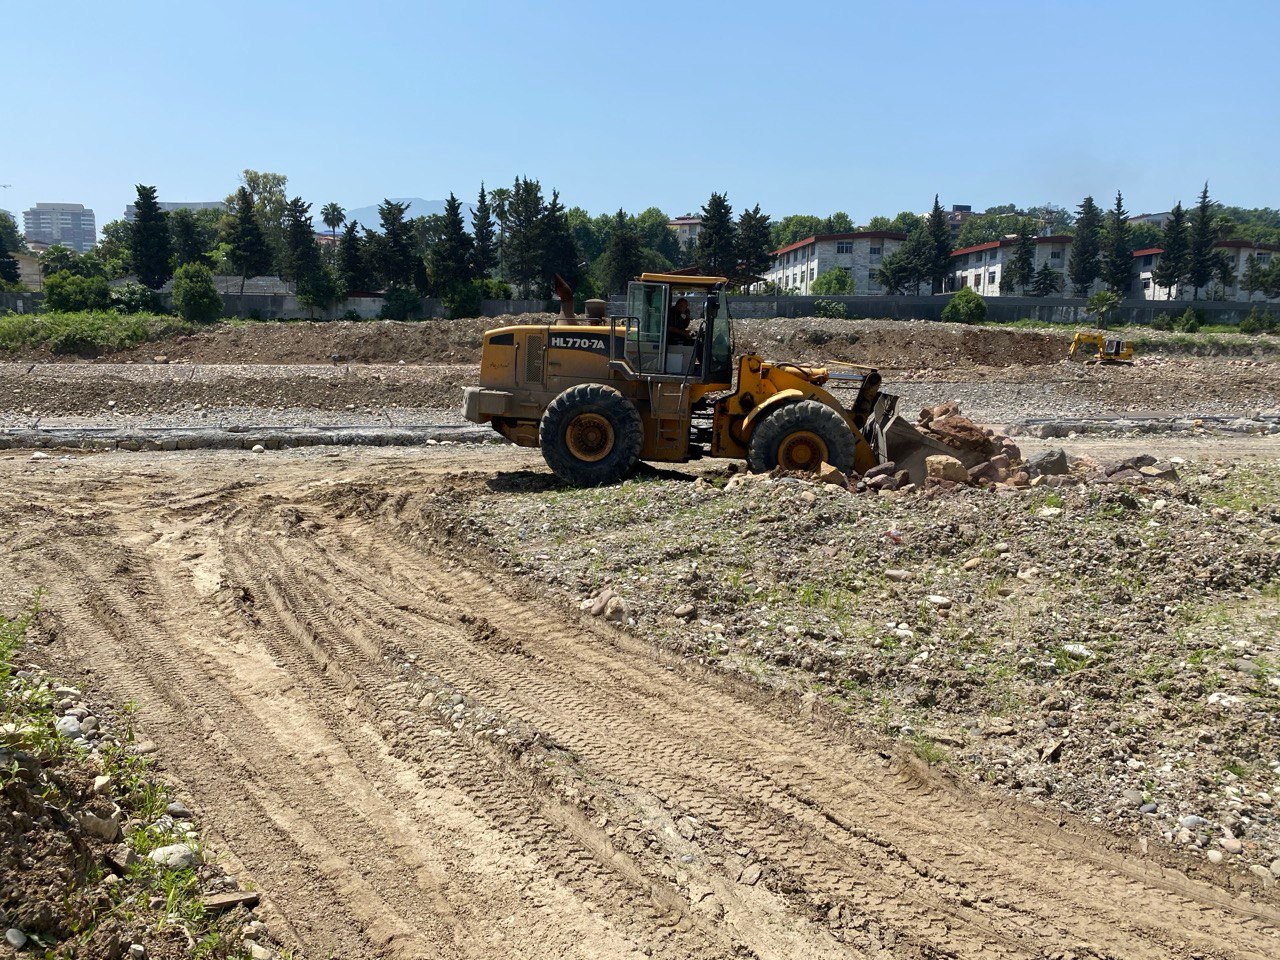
1113	647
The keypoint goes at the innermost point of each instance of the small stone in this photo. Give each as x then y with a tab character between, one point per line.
939	601
617	610
137	951
750	875
39	455
972	563
259	448
1192	822
601	601
68	727
144	748
1148	808
897	575
1261	872
103	828
176	856
178	810
101	784
1275	868
15	938
1231	845
1078	650
1214	856
1048	513
685	611
258	952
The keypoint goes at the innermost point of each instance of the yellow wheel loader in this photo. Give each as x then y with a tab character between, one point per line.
598	394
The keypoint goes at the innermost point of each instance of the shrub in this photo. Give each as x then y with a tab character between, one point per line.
1101	306
834	282
400	303
88	331
491	289
134	298
1189	322
1161	321
1258	321
195	298
352	315
965	306
463	300
66	291
830	309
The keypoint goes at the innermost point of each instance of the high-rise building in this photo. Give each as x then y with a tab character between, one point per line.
168	206
69	224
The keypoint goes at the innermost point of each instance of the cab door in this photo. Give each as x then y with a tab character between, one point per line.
646	338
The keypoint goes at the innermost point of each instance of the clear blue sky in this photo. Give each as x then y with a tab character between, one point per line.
857	106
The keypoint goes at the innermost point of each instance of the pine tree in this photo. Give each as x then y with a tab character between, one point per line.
1175	255
522	250
894	272
313	281
1117	255
353	266
8	264
1200	259
560	254
1085	268
484	252
189	241
150	240
1021	269
248	251
1047	281
1254	279
621	260
449	264
754	242
917	256
939	234
396	259
715	253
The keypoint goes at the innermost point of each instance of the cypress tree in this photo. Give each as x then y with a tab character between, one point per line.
917	255
1084	267
1175	257
1117	256
1200	259
484	252
248	253
522	250
754	242
353	267
449	264
1047	281
150	240
1021	269
1254	279
397	262
939	246
560	252
715	252
622	259
313	281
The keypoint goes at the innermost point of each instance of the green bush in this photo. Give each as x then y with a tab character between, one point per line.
195	298
463	300
830	309
89	331
1161	321
491	289
135	298
66	291
400	303
834	282
965	306
1258	321
1189	322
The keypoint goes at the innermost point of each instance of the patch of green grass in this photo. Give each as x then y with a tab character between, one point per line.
87	331
928	751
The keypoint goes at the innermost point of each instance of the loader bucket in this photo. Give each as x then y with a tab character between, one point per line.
897	439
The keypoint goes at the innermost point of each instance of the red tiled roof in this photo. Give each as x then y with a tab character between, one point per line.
1230	244
1148	251
1010	241
856	235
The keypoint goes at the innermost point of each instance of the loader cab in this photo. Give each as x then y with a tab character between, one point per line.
651	351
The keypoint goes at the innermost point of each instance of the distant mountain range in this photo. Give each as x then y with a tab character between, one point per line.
368	216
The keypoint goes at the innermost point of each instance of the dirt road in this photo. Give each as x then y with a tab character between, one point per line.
413	758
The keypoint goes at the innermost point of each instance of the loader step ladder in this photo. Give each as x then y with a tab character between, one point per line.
669	402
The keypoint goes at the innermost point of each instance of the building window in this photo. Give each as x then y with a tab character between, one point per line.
977	280
846	246
1055	255
1146	261
1263	257
871	277
811	272
993	255
1146	284
991	277
964	280
875	251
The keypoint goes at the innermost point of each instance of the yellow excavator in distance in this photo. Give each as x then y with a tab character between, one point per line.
598	394
1104	349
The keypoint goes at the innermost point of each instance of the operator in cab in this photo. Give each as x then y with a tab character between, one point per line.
678	320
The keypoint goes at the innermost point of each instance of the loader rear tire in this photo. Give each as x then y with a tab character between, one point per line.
801	436
591	435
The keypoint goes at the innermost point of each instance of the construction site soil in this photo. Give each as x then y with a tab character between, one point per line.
371	671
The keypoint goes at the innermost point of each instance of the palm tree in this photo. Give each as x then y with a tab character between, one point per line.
334	217
499	200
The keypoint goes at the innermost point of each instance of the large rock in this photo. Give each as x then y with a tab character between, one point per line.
1052	463
963	434
176	856
942	467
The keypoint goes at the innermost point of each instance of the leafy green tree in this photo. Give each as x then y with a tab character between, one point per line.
1021	269
1143	235
754	242
65	291
10	236
522	251
1101	306
1255	276
965	306
195	297
987	227
838	222
621	262
1200	259
267	192
895	272
115	248
938	264
301	256
60	259
133	297
1047	281
798	226
150	240
560	254
1224	272
484	250
192	238
1175	256
835	282
590	233
715	252
918	254
248	252
654	228
449	264
353	267
9	273
1117	254
1085	265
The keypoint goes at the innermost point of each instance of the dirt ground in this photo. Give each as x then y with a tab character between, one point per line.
414	753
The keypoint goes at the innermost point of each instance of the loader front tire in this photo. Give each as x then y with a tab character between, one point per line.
801	436
591	435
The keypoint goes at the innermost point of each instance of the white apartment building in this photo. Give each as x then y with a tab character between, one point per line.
1239	251
981	265
687	228
69	224
797	265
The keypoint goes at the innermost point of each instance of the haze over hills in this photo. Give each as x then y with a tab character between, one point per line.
368	216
